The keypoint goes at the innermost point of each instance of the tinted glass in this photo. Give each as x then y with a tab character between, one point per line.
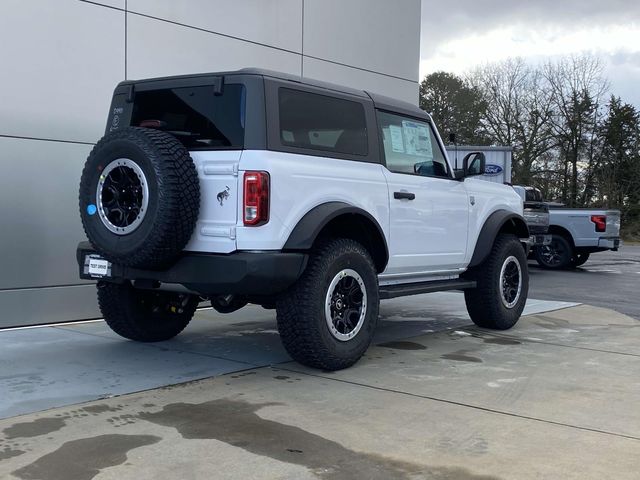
533	195
320	122
195	115
410	146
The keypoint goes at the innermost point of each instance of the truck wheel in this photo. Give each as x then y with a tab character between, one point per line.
502	285
145	315
580	259
327	319
139	197
557	255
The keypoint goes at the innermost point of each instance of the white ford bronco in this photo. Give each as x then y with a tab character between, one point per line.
307	197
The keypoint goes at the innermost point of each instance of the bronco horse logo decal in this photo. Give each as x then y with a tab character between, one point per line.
223	195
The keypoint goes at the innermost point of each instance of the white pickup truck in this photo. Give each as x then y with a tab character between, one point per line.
575	233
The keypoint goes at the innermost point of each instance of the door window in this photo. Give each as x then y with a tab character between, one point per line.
411	146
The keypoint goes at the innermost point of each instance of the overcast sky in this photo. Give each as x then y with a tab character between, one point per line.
460	34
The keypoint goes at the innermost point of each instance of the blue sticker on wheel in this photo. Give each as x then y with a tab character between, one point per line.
91	209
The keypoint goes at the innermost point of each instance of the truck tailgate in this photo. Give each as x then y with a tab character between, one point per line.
613	224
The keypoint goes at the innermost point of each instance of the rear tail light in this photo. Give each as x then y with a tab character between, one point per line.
255	205
600	221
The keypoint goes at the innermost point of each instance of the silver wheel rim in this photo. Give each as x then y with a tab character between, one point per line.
122	196
510	282
345	305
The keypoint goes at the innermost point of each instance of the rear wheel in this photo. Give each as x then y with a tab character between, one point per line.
145	315
327	319
580	259
502	285
557	255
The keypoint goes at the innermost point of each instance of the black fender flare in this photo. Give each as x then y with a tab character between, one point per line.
497	221
306	231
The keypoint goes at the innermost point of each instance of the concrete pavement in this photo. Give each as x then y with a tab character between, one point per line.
555	397
52	366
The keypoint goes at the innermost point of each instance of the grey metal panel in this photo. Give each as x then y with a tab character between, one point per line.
110	3
60	62
47	305
156	48
404	90
378	35
39	212
272	23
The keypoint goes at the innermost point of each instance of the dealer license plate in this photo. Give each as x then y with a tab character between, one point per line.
95	266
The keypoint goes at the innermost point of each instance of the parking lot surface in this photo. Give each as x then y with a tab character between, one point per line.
608	279
47	367
555	397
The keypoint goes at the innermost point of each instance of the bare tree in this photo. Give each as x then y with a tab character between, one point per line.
577	86
518	111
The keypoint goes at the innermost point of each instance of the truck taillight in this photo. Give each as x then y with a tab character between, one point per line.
600	221
255	205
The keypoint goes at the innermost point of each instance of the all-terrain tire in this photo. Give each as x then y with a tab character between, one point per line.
145	315
558	255
172	197
302	320
580	259
486	303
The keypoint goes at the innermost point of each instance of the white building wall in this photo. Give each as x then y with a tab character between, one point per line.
61	60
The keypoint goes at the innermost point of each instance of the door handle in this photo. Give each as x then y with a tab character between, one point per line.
404	195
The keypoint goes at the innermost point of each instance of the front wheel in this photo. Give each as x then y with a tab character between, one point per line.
502	285
327	319
145	315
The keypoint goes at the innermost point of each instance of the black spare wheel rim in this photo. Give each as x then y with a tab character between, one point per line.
346	304
139	197
122	196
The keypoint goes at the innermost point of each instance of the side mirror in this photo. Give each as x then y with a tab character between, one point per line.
474	164
452	138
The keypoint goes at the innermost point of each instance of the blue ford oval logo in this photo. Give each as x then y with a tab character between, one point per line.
490	169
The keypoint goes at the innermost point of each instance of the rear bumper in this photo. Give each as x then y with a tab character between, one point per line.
539	240
264	273
609	243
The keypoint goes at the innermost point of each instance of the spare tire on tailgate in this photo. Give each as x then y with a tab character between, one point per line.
139	197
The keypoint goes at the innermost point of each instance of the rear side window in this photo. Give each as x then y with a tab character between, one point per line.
198	117
320	122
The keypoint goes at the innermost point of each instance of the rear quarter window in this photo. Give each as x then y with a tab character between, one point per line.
198	117
321	122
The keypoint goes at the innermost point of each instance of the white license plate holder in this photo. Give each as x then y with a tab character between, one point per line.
96	267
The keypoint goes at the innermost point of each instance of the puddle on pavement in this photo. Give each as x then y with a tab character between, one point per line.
10	453
83	459
402	345
35	428
461	356
237	423
501	341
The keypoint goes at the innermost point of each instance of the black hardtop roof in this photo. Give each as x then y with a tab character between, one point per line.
380	101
